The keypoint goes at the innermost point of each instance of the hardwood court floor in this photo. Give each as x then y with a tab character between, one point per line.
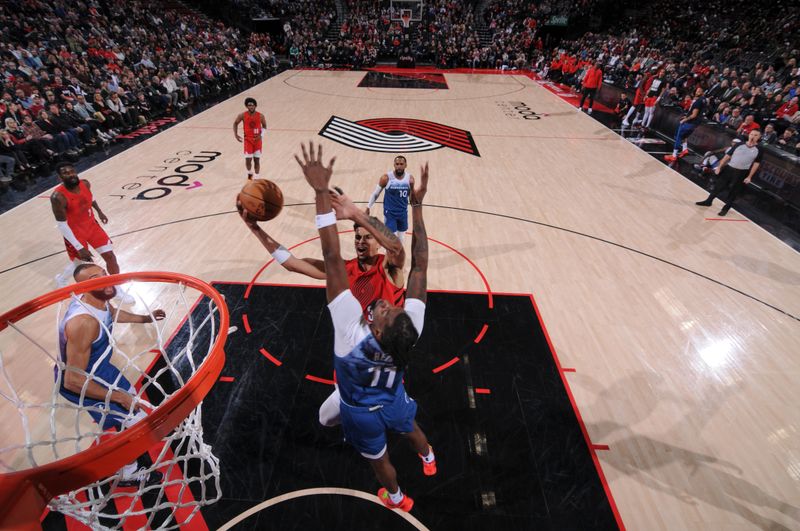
682	331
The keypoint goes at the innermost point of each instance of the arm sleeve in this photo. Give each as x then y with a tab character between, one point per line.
346	316
63	227
415	309
374	196
759	156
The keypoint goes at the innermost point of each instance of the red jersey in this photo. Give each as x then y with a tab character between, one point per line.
373	284
80	216
252	125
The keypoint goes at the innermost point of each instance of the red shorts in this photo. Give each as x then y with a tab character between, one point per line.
252	147
94	237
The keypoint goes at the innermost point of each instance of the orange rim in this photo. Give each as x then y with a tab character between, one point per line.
25	493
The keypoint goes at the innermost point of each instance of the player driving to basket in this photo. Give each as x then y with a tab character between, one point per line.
370	358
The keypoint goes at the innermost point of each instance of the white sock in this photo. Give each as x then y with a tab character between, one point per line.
397	497
400	236
249	172
430	458
685	146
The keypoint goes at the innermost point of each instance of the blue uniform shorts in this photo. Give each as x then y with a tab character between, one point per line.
96	408
365	428
396	223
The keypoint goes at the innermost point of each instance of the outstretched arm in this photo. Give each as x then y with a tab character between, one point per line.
418	277
318	177
311	267
382	182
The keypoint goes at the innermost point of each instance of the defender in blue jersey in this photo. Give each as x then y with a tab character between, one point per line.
88	378
370	358
398	184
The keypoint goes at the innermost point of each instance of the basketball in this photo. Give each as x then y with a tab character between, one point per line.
262	199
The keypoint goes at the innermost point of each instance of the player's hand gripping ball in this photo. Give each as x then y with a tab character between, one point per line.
262	199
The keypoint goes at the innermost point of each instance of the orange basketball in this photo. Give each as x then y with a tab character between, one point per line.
262	199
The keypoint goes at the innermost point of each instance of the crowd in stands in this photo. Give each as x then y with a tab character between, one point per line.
687	50
75	75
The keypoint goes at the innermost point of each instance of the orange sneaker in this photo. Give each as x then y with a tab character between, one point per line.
405	505
429	469
683	153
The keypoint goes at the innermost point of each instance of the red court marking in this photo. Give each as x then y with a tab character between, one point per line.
134	505
584	431
442	367
270	357
226	378
246	323
482	391
567	369
176	494
459	253
482	333
600	447
725	219
319	380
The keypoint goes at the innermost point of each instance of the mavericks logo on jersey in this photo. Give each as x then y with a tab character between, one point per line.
398	135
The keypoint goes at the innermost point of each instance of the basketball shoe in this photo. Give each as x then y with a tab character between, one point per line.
405	504
429	469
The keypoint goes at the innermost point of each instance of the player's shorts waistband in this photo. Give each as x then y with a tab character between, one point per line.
362	408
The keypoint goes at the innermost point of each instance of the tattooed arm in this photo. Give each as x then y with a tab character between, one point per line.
418	277
395	254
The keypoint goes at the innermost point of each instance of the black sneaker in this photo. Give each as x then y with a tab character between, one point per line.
723	212
142	478
703	203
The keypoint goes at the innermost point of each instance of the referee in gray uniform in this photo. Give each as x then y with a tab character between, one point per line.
735	170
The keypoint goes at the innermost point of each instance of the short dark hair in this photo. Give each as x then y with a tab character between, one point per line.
80	267
248	101
398	339
401	157
61	165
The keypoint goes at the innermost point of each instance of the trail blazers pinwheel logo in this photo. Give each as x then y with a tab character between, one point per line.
398	135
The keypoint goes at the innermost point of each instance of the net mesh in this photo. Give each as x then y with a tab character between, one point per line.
52	411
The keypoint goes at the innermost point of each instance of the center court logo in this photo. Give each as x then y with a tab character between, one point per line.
398	135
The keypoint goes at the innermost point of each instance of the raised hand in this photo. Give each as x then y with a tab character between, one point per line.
343	205
316	174
420	186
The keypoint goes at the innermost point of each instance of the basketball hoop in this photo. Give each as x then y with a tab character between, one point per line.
74	464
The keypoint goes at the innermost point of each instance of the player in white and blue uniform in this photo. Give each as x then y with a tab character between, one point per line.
398	184
99	366
370	358
87	377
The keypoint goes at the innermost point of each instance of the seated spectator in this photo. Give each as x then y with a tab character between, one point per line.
770	136
787	110
736	118
788	140
749	124
723	114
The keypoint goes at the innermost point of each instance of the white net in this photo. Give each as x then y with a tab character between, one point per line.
52	409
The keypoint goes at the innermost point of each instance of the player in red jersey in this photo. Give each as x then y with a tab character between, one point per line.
254	126
72	204
372	276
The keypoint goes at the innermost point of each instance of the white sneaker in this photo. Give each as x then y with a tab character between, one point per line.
625	123
590	110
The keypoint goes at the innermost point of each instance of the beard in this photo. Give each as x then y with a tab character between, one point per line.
72	183
105	294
